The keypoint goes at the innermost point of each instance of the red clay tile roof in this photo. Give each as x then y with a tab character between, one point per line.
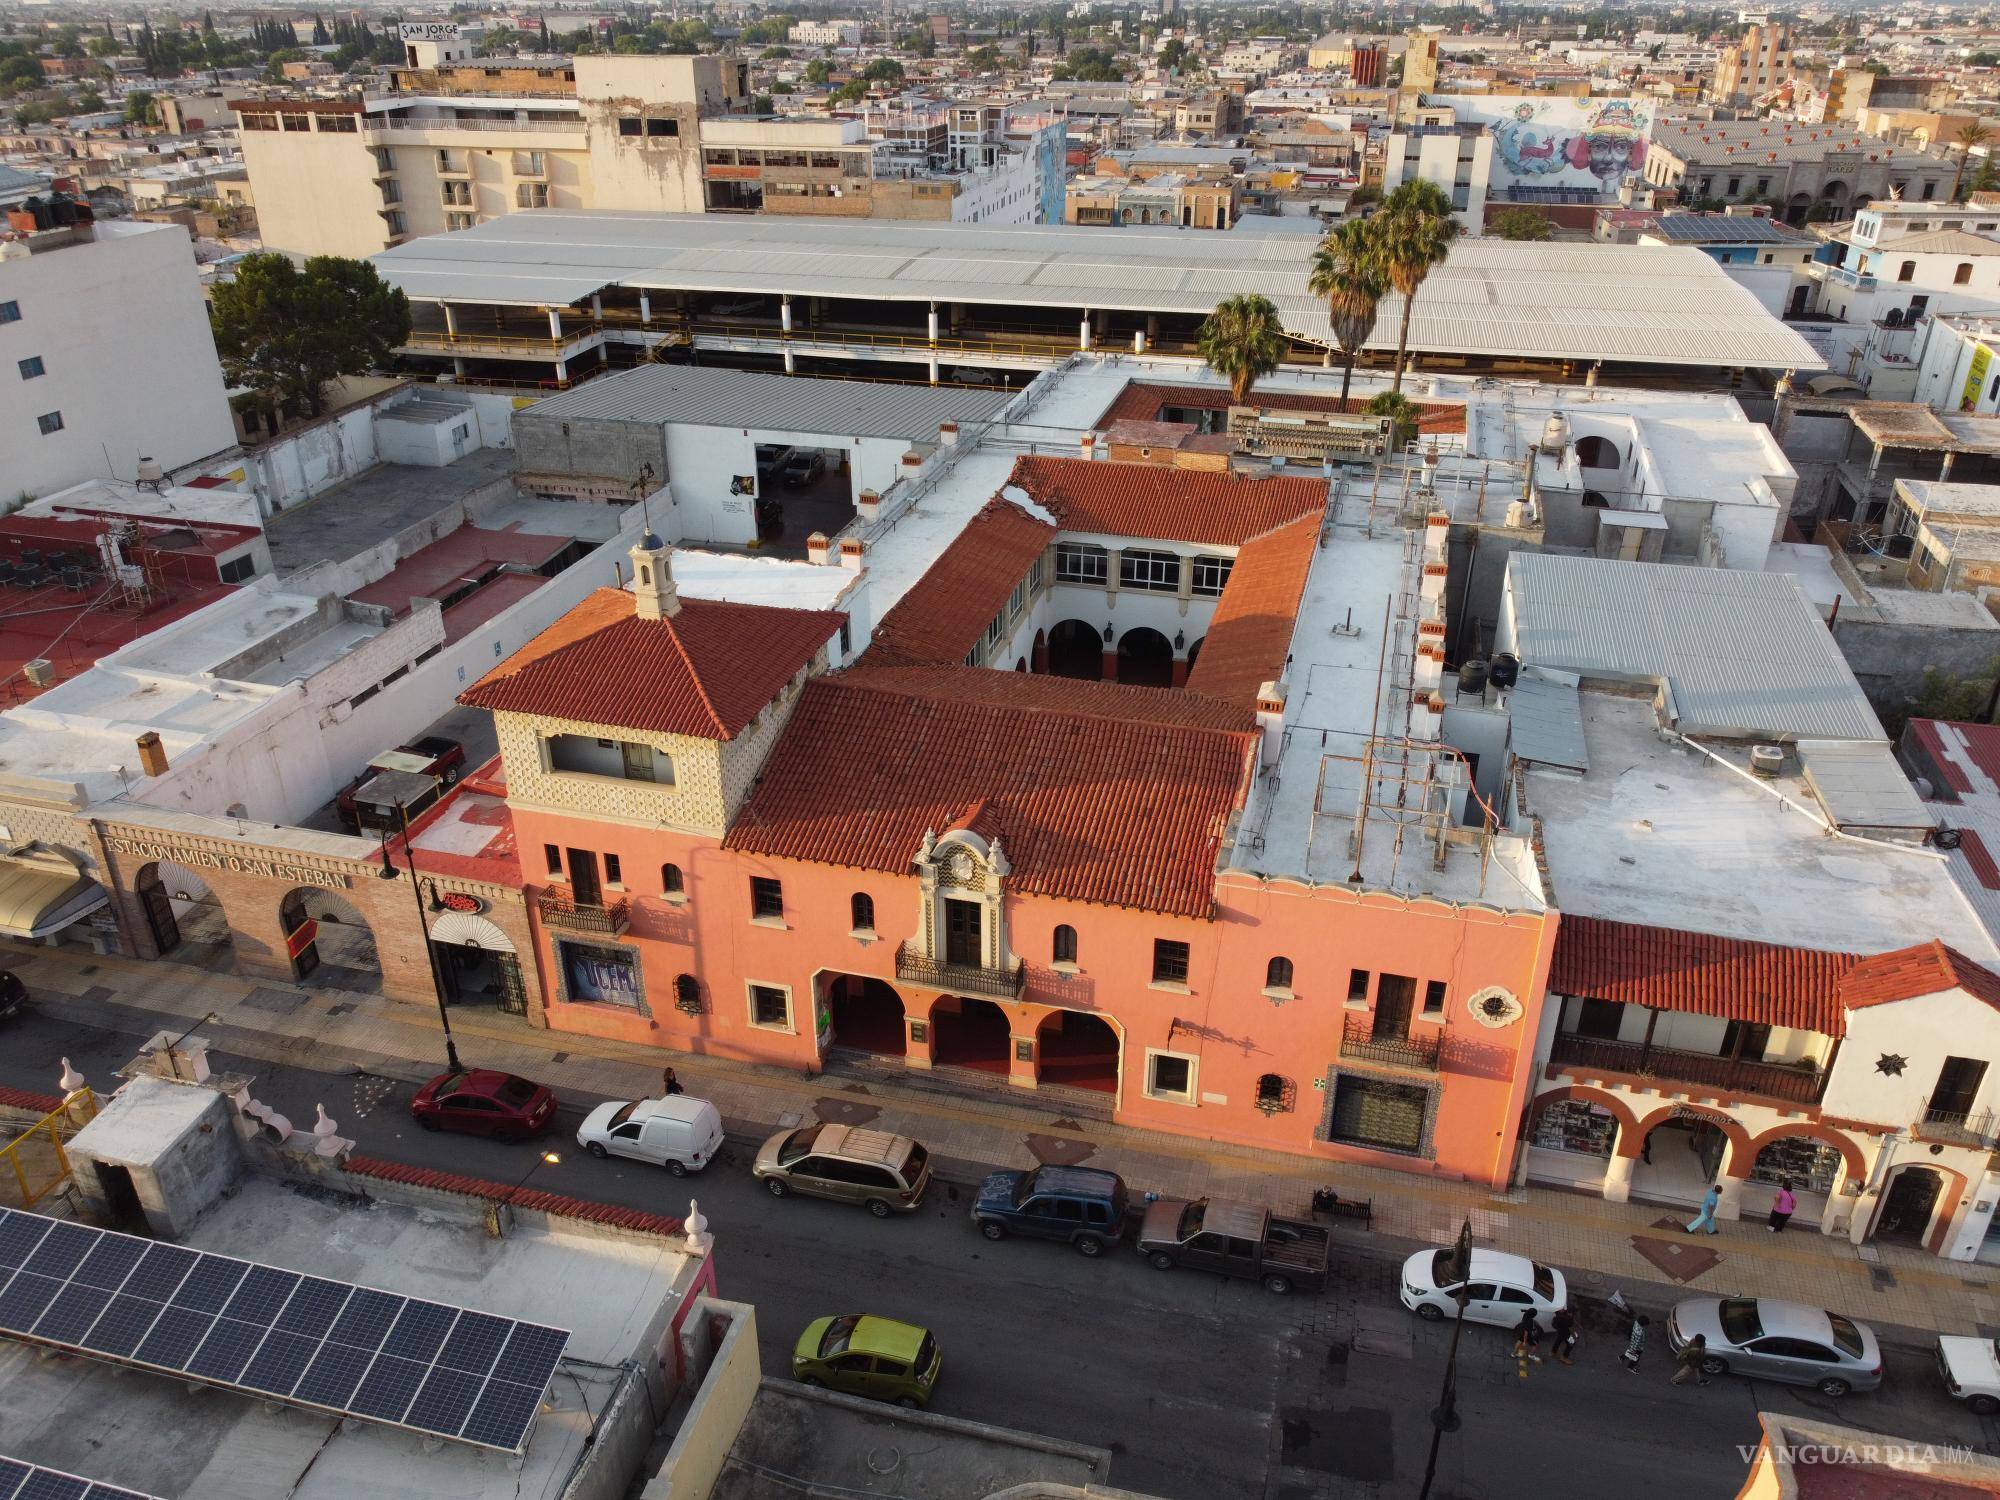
1040	693
706	671
557	1205
1150	500
1251	632
1982	748
1143	401
1087	807
1666	969
1925	969
1979	857
945	612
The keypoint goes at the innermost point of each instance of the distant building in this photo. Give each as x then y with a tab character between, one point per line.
825	34
1793	166
1758	63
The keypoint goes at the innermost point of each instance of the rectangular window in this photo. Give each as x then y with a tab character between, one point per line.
397	228
614	870
1357	986
657	127
1158	572
458	221
767	898
49	421
601	975
552	856
770	1007
1170	1075
1374	1112
1434	994
630	125
1081	562
1211	573
10	312
339	124
32	367
531	195
237	568
1170	961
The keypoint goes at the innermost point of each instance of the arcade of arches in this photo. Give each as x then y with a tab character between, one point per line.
1140	655
1025	1043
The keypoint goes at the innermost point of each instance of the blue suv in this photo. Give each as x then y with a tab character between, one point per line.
1080	1206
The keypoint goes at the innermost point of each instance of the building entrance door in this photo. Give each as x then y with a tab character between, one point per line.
961	932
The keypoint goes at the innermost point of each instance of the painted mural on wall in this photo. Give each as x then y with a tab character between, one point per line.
1562	143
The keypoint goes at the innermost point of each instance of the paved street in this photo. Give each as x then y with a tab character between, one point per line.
1203	1388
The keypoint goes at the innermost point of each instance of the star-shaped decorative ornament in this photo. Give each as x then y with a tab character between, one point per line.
1890	1065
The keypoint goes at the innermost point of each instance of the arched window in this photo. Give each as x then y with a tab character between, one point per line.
1906	271
1278	974
862	906
1595	452
1065	945
670	880
1275	1094
687	994
1963	274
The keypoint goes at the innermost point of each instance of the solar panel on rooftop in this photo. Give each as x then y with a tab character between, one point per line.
447	1371
20	1480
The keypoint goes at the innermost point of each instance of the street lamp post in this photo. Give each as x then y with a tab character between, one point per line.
389	872
1444	1416
548	1158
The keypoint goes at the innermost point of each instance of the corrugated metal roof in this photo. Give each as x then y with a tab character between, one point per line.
1861	786
767	400
1645	303
1745	654
1546	719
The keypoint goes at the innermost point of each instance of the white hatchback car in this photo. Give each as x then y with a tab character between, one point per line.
1500	1289
678	1133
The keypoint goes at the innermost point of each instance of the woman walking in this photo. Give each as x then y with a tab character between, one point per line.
1704	1222
1564	1328
1783	1206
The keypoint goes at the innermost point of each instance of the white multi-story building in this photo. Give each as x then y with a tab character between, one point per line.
825	34
1893	268
1457	157
105	356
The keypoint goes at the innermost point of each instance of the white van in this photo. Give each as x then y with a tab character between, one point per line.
678	1133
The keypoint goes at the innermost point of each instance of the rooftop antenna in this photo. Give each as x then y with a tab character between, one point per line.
644	485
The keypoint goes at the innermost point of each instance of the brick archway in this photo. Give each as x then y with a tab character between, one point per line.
1740	1156
1850	1153
1627	1123
1943	1213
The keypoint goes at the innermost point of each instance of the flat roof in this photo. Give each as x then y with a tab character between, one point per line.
1640	303
693	396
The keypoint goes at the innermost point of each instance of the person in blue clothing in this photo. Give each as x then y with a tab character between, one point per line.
1705	1220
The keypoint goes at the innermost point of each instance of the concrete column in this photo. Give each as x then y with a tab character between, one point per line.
934	369
1832	1218
1618	1179
450	321
645	309
919	1040
597	306
562	371
790	362
555	323
933	334
1023	1074
1083	333
1944	468
458	367
1185	588
1114	558
1730	1204
1138	341
785	312
1590	375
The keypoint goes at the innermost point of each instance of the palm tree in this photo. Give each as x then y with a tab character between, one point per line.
1345	273
1243	341
1972	133
1412	235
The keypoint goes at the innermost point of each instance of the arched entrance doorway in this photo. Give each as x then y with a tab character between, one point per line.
1078	1050
867	1015
1076	650
1815	1167
1909	1205
1679	1156
476	961
1194	653
327	937
1145	658
181	909
968	1033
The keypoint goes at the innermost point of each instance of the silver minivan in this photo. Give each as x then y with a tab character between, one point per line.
1775	1340
887	1172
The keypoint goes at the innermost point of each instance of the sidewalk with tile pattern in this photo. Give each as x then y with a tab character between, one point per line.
1605	1245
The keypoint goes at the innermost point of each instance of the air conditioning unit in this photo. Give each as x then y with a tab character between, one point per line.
1767	760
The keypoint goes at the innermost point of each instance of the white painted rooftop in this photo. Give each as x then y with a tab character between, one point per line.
170	503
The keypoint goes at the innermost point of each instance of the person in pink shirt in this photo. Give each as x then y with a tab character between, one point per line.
1783	1206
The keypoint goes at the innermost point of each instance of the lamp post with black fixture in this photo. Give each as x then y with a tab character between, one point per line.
1457	1272
389	788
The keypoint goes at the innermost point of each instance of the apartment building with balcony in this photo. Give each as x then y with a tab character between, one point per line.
1760	61
1897	263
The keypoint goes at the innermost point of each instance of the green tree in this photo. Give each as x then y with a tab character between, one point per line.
140	108
983	59
885	70
774	54
1985	177
1971	135
1243	341
1344	272
284	331
89	102
1173	54
101	46
1412	235
851	92
819	70
1090	65
1984	60
1401	410
1521	224
35	112
321	37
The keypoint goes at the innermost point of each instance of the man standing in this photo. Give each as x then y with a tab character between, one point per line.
1527	1335
1563	1325
1635	1343
1705	1220
1693	1352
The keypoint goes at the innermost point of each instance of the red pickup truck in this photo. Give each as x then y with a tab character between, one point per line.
434	756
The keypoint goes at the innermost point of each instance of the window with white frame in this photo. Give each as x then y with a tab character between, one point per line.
1211	573
1170	1076
1082	562
770	1006
1157	572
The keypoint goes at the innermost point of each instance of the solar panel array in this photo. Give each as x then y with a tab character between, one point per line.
278	1335
25	1481
1738	229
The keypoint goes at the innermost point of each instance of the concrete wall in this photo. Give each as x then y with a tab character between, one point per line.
429	445
646	172
322	454
609	451
719	1350
1815	443
177	1145
316	193
1889	659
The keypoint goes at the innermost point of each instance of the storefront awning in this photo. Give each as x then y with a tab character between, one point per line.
41	897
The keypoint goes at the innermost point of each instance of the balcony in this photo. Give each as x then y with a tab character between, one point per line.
970	979
1960	1127
1358	1041
1847	277
1773	1080
559	909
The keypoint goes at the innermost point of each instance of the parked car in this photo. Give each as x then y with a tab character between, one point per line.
887	1172
1500	1288
483	1101
868	1356
1235	1239
434	756
1784	1341
678	1133
1971	1369
1080	1206
13	993
803	467
770	459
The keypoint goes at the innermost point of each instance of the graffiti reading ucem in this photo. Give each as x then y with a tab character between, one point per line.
241	864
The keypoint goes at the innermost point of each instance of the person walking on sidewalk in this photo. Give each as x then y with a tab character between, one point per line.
1635	1343
670	1084
1783	1206
1563	1344
1704	1222
1527	1338
1693	1352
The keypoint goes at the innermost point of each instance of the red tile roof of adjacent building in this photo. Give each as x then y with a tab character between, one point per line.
1177	505
705	671
946	611
1250	634
1039	692
1982	748
1144	400
1087	807
1667	969
1909	973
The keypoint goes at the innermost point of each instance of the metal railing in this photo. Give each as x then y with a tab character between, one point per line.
378	128
1844	276
560	909
1358	1040
37	1155
1774	1080
1969	1127
977	979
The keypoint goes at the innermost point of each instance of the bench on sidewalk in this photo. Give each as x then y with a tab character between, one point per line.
1330	1204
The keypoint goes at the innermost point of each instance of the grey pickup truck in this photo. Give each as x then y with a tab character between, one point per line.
1235	1239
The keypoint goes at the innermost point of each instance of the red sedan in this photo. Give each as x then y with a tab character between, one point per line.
485	1102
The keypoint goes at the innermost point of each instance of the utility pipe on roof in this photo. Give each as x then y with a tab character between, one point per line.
1768	790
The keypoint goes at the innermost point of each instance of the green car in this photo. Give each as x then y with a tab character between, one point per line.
864	1356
